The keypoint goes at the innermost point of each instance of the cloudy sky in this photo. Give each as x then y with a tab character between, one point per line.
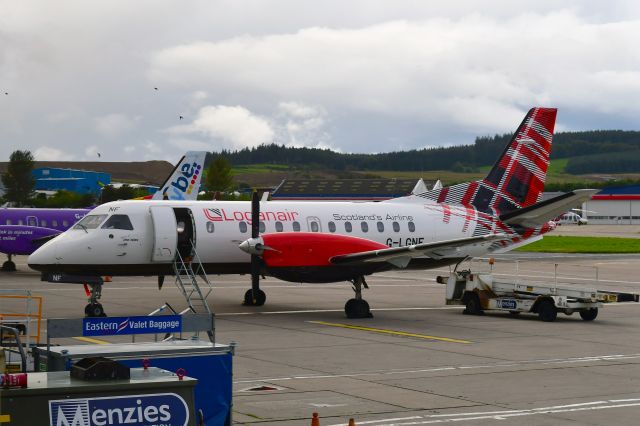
78	78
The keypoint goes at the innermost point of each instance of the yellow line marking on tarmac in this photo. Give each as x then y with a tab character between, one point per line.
393	332
90	340
5	418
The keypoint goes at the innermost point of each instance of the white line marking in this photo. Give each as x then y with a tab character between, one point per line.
385	420
337	310
445	368
503	415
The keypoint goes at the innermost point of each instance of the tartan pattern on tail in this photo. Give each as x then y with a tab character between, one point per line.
517	178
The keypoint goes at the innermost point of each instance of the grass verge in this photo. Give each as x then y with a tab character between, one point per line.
562	244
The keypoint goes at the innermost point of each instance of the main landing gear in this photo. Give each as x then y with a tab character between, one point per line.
94	308
9	265
358	307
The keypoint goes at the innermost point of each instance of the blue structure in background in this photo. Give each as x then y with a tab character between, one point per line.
81	181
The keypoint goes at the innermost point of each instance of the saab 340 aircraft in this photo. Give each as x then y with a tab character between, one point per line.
23	230
319	242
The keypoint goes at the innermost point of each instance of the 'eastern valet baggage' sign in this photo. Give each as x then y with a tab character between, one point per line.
113	326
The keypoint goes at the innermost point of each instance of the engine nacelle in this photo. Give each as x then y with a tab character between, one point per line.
295	249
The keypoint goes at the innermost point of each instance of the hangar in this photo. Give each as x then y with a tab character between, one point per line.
81	181
614	205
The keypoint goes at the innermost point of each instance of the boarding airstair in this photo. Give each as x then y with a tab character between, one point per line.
193	283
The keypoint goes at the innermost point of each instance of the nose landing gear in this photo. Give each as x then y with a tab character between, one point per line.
94	308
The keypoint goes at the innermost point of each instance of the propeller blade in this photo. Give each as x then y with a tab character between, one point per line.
255	233
255	274
160	281
255	215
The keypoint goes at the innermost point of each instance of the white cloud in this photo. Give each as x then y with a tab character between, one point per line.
129	149
475	72
385	75
303	125
47	153
186	144
228	127
113	125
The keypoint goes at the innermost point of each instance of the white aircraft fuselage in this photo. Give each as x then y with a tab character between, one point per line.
220	226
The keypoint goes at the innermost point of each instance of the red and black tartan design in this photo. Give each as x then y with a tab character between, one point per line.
517	178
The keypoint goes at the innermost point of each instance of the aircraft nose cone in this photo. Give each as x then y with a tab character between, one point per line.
43	257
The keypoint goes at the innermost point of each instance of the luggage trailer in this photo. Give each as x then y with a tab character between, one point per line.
480	292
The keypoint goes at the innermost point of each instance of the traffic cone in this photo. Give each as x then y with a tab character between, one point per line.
352	422
315	420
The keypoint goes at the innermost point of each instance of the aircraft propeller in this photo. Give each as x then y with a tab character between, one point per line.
255	296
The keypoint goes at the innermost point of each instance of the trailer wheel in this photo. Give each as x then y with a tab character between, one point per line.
547	311
472	304
589	314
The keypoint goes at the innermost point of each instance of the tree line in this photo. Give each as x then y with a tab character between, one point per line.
483	152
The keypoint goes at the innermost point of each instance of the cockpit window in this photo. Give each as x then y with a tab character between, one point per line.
91	221
118	221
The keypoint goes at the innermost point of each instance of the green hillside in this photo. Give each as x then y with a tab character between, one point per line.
578	159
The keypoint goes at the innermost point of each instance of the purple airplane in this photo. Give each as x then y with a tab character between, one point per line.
23	230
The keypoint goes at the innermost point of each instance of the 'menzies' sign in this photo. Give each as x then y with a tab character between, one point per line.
220	215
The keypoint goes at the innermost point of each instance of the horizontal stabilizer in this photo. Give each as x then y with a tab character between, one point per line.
540	213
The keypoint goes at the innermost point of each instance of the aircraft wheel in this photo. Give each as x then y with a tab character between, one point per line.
547	311
472	304
589	315
357	308
9	266
261	297
94	310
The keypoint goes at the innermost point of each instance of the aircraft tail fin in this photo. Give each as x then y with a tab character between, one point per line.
184	181
517	179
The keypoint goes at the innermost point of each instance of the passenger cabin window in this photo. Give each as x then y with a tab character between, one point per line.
118	221
396	227
91	221
380	226
412	227
364	226
296	226
31	221
210	227
279	227
332	227
262	227
314	227
65	223
243	227
347	226
43	223
54	223
20	222
9	222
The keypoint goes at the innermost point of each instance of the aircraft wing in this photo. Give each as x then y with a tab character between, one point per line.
540	213
400	256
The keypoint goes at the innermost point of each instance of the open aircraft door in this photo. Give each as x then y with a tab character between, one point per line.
165	234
